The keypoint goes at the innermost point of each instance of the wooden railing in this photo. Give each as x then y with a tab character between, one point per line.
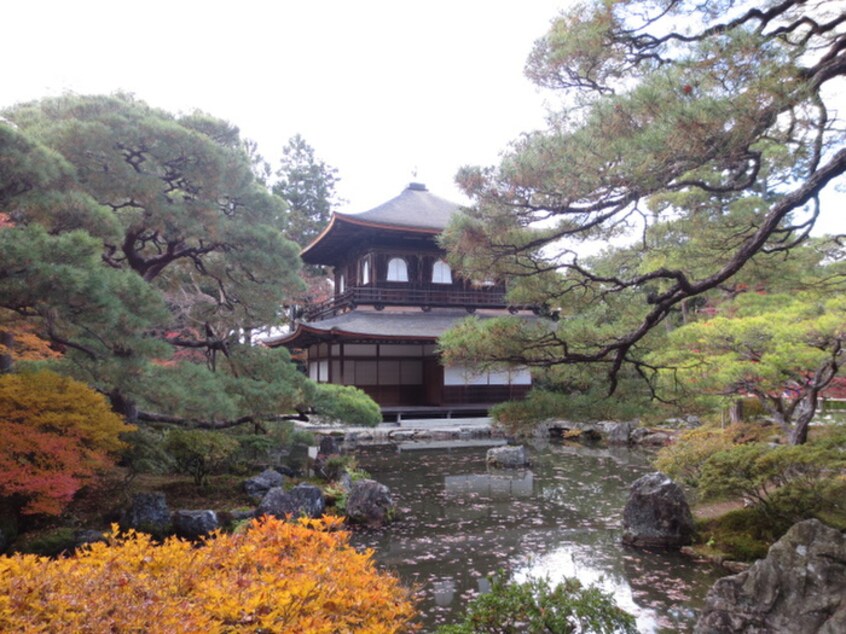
408	296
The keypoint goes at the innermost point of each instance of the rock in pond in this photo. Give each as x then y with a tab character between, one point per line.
619	433
303	499
195	524
507	457
798	588
148	513
257	486
657	514
370	502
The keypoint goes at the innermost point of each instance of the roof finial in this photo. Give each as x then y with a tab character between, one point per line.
414	184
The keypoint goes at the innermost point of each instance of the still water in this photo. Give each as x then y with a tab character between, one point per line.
460	523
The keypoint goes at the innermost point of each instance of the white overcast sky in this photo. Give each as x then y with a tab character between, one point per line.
378	88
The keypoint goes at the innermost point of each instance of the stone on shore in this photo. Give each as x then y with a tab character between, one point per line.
148	513
303	499
657	514
798	588
258	486
195	524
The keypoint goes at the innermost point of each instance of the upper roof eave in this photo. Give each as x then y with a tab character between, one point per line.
415	211
338	218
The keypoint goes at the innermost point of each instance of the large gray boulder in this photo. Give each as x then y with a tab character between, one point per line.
148	513
195	524
258	486
303	499
657	514
508	457
370	502
798	588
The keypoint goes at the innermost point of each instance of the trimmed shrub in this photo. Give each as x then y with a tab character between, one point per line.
742	534
684	459
200	453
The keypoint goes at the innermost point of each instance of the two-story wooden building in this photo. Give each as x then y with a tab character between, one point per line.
394	295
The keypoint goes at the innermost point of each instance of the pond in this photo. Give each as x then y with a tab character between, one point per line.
460	523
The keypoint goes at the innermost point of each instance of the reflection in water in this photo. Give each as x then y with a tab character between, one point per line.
460	524
516	484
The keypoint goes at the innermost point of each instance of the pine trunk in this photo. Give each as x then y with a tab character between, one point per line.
799	435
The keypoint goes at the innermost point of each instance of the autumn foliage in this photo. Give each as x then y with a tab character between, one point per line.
274	577
57	435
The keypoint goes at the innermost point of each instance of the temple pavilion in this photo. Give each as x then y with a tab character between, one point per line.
394	295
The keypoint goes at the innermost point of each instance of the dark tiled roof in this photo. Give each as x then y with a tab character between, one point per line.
414	212
414	207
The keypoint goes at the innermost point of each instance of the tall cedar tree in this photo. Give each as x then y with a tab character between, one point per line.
307	184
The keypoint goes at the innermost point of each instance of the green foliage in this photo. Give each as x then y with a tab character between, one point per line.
781	484
48	543
146	453
336	496
301	438
742	534
307	184
782	349
536	607
689	144
200	453
145	248
346	404
336	466
253	382
590	403
788	482
683	460
253	449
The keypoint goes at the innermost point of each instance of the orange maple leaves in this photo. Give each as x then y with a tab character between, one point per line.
57	435
274	577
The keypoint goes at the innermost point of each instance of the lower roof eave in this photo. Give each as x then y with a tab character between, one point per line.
305	335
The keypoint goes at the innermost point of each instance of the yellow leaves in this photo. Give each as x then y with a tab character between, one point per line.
276	577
